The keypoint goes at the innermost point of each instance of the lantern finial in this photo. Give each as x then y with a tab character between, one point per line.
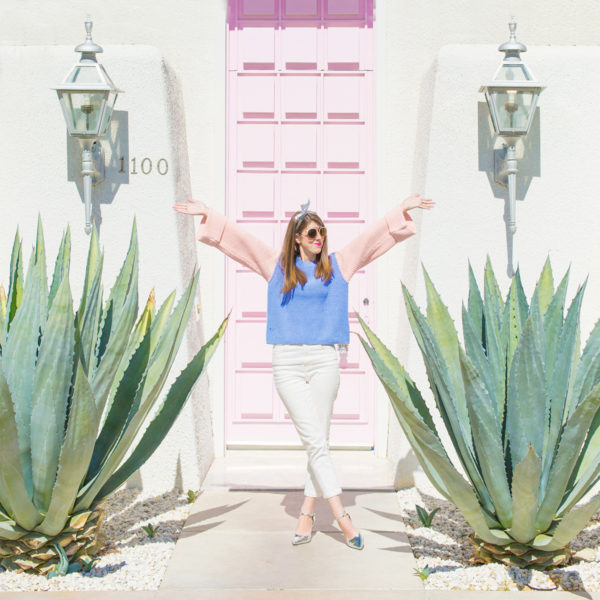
89	48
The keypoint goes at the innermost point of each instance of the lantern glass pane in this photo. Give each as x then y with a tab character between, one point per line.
513	108
110	104
84	110
83	74
513	72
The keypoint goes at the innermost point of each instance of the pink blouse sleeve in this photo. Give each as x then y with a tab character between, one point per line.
237	243
377	239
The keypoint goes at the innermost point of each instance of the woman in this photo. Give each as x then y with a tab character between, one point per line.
307	315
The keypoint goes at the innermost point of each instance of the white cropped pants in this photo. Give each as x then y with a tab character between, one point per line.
307	379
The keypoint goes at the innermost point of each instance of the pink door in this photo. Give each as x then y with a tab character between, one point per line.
300	125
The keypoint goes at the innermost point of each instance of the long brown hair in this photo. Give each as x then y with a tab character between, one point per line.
292	275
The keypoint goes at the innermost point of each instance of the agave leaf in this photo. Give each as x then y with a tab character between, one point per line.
475	304
569	352
15	285
492	298
62	264
443	328
19	357
515	315
488	440
87	324
570	445
139	331
432	455
525	485
153	381
160	320
102	378
585	475
13	493
51	384
404	395
166	415
553	322
561	373
393	365
477	356
494	348
94	262
570	526
119	412
75	455
459	430
9	530
544	288
119	295
588	369
526	397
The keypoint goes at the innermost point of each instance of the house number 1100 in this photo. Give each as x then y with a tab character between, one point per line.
162	166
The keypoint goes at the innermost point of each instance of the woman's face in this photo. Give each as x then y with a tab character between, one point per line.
309	247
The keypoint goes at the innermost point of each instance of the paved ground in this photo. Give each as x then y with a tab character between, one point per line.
236	543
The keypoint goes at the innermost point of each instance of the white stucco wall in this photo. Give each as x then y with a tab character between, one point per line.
427	141
41	159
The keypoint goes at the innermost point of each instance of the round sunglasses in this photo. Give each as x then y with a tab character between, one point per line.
312	232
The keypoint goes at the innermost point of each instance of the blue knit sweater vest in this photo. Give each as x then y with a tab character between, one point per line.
314	314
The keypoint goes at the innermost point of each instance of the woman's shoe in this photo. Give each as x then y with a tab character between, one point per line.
303	539
358	541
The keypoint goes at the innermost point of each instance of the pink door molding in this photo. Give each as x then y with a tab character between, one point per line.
300	125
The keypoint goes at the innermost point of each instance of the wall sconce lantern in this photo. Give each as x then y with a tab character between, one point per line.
512	99
87	98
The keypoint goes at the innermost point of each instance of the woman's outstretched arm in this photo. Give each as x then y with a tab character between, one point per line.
234	241
378	238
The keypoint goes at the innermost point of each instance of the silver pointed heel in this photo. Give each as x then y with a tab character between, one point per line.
303	539
358	541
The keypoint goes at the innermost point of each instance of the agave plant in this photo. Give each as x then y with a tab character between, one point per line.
75	390
520	405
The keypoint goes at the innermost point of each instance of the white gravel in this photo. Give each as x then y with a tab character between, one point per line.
131	560
446	550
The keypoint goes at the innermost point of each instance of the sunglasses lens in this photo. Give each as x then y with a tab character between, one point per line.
312	233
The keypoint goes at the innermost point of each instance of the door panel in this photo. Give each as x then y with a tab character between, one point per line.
299	127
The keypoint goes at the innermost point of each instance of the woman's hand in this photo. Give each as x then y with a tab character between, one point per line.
192	207
415	201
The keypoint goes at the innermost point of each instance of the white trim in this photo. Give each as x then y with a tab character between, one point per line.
382	411
217	381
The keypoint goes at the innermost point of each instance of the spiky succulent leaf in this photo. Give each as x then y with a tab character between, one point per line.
571	441
19	358
525	485
429	448
544	288
15	284
118	299
62	264
459	431
573	522
75	455
526	397
475	305
487	437
51	384
166	415
392	365
117	412
153	381
560	378
14	495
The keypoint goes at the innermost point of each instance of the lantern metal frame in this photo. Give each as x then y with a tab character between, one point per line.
505	161
92	157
